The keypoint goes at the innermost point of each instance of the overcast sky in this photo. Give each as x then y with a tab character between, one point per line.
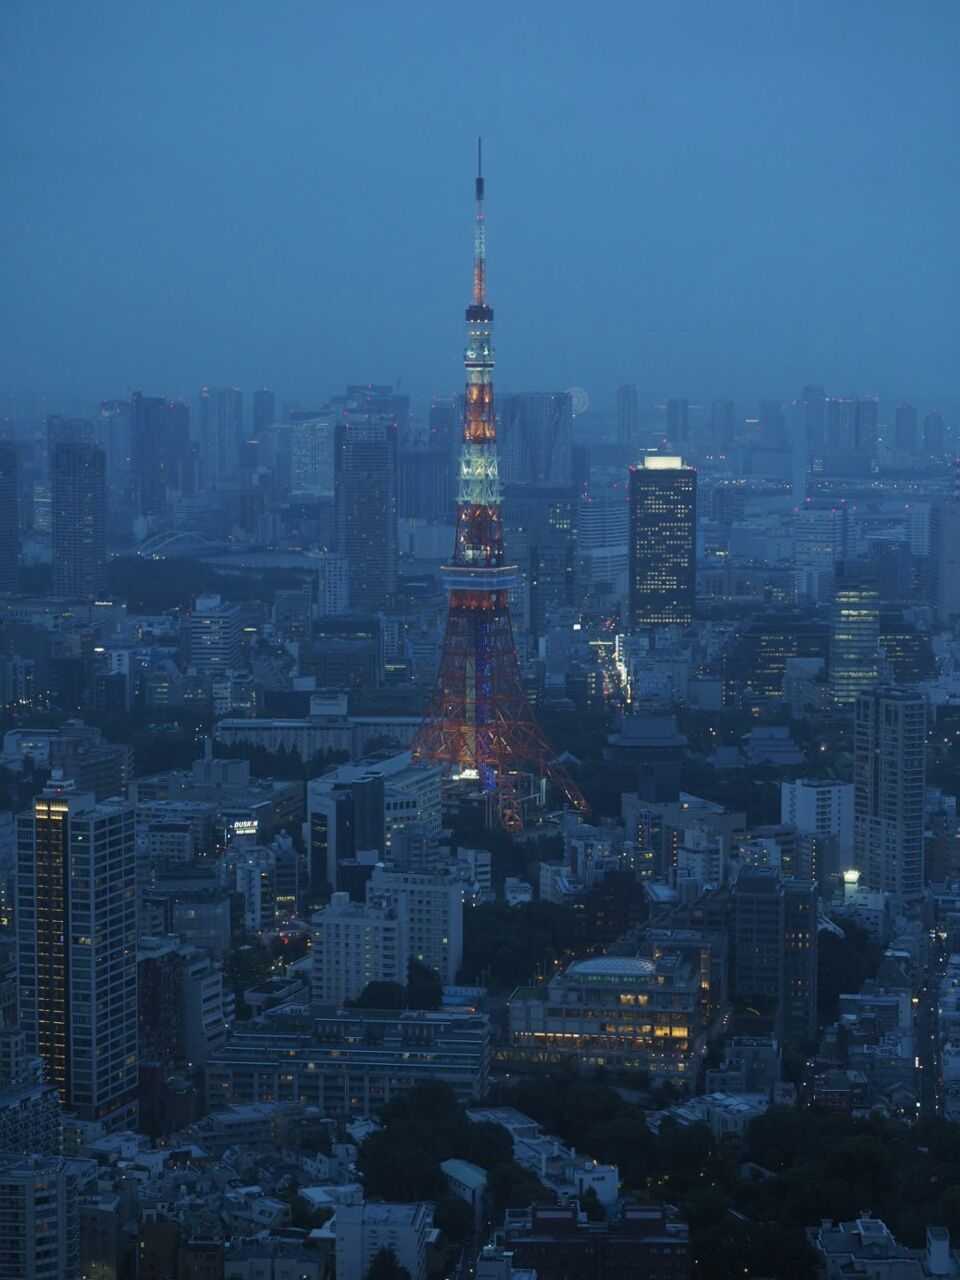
707	198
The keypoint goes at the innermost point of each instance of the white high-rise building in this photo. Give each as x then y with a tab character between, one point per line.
77	949
214	635
819	807
433	907
889	778
355	943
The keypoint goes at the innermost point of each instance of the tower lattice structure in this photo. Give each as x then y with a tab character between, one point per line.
478	722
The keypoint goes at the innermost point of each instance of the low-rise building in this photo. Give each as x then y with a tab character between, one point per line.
867	1249
351	1063
623	1012
557	1242
362	1230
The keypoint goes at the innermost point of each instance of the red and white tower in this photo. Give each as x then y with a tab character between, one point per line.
478	722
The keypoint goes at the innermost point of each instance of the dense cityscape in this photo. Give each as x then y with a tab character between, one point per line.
479	834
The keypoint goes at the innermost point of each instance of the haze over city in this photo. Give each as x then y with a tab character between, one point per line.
706	199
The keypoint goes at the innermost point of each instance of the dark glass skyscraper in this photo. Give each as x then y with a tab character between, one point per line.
79	502
628	414
533	437
663	540
9	522
365	500
148	418
221	430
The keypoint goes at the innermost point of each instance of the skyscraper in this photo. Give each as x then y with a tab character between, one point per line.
663	538
905	428
79	512
775	947
76	949
533	437
813	404
945	559
773	424
365	498
628	414
678	422
9	519
148	423
889	778
177	449
114	434
934	434
854	630
264	411
723	425
850	425
221	430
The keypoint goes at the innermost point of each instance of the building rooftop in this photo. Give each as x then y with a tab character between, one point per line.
612	967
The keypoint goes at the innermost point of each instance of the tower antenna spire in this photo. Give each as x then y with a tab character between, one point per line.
479	239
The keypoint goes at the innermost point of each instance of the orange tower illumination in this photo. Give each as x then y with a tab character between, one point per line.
478	722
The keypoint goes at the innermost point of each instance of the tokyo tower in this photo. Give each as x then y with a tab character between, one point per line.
478	722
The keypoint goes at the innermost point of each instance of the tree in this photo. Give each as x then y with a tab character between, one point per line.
386	1266
454	1218
510	1186
843	964
380	995
591	1206
424	989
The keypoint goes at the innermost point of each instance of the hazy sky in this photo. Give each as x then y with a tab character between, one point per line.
704	197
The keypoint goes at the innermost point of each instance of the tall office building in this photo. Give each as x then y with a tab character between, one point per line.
723	425
76	949
534	437
264	411
79	513
221	430
678	422
775	947
889	777
628	414
214	635
178	465
854	630
905	428
114	434
773	423
365	499
813	417
9	518
850	425
945	559
425	488
40	1218
934	434
311	438
663	538
148	424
